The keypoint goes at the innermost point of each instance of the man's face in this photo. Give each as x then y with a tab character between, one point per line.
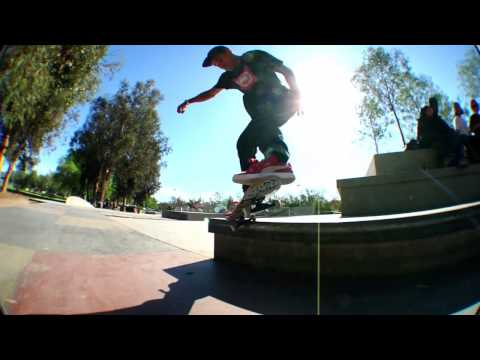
474	108
223	61
429	112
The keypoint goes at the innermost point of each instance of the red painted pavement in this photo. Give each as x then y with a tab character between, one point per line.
72	283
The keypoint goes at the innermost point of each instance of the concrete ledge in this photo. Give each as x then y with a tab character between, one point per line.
383	246
274	246
407	192
189	215
404	161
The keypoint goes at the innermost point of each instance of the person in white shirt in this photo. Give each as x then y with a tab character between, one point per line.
460	123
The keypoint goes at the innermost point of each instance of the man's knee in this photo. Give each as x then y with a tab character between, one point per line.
241	143
245	148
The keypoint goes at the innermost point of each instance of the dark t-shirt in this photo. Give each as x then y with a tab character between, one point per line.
254	76
475	121
432	130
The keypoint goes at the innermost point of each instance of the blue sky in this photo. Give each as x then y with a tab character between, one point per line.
323	142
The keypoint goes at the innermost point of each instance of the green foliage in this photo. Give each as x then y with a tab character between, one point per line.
469	73
121	142
38	86
32	181
20	180
67	177
151	203
370	128
24	81
309	201
23	180
392	94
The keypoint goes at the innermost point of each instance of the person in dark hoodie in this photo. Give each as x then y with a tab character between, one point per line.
433	132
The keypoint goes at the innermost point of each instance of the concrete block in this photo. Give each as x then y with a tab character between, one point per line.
409	191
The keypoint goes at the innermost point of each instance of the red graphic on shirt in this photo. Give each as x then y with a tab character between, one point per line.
246	79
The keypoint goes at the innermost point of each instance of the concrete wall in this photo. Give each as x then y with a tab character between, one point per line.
187	215
409	191
400	246
272	246
404	161
368	248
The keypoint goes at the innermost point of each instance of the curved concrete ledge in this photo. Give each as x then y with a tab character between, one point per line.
189	215
373	246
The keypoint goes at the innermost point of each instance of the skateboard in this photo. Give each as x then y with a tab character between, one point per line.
244	212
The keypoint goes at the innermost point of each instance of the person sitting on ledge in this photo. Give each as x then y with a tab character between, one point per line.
463	131
475	118
475	131
460	123
434	133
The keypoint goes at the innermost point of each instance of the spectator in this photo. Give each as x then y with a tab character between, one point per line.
475	118
475	131
460	123
433	132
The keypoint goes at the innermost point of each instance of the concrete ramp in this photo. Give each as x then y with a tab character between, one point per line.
78	202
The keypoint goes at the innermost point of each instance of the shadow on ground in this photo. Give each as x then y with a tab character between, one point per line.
257	291
439	292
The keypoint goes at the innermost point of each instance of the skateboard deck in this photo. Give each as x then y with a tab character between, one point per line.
242	214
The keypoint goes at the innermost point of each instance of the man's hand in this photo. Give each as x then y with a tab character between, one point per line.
297	98
182	107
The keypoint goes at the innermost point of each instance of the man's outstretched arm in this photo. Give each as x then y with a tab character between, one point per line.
289	77
204	96
291	81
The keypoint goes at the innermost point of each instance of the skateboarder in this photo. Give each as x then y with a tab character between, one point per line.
266	100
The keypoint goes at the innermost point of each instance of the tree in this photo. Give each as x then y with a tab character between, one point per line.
121	140
469	73
370	128
416	94
32	180
67	176
24	81
74	72
12	154
19	179
381	78
139	169
392	94
151	203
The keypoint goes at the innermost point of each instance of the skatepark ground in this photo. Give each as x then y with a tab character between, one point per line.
59	259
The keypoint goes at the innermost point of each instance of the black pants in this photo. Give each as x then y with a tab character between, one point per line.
473	148
450	144
263	131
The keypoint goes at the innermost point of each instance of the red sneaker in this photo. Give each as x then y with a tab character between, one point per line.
266	165
266	168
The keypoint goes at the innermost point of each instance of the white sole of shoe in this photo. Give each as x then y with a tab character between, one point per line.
249	179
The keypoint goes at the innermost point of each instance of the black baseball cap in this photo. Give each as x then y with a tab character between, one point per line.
212	53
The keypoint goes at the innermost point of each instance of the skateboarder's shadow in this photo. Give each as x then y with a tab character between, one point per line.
216	288
442	291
